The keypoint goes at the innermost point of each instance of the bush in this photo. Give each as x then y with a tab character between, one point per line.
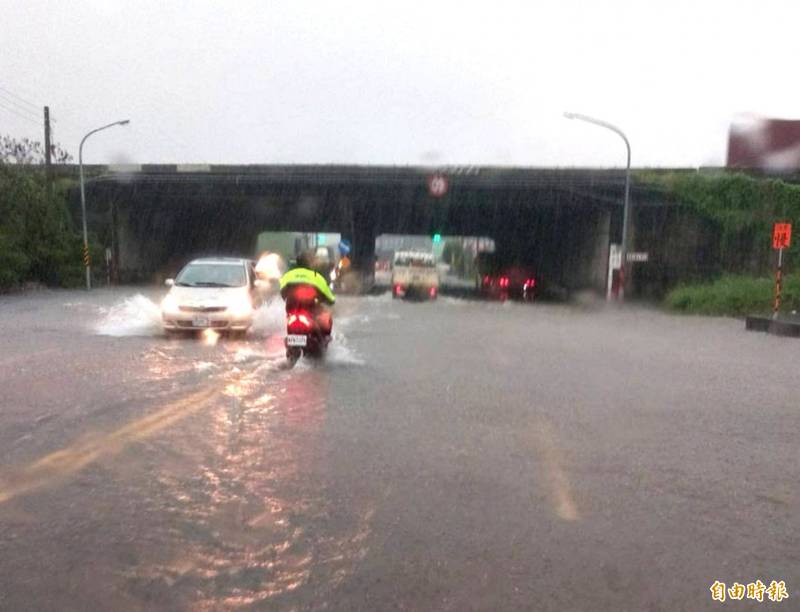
37	241
734	296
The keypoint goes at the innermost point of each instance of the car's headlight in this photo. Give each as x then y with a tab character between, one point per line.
241	307
169	305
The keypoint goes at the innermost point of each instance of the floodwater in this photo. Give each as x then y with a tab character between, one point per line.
449	455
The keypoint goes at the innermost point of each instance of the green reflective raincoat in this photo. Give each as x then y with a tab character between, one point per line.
304	276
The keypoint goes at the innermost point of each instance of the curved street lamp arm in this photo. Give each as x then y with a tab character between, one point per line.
94	131
605	124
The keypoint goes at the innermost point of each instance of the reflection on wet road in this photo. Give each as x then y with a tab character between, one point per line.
455	455
244	516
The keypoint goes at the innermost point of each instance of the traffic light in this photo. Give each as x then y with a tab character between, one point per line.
437	238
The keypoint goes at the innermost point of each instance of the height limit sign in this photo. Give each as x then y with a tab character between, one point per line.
437	185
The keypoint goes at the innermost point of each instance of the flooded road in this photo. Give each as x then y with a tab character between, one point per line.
453	455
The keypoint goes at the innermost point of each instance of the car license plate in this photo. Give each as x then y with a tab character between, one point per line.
296	340
199	321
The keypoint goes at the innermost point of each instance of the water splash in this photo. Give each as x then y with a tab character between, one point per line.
341	354
269	319
135	316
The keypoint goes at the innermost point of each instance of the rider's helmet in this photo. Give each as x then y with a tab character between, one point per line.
306	259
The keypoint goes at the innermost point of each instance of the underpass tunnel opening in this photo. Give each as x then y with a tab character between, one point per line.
157	224
455	257
559	234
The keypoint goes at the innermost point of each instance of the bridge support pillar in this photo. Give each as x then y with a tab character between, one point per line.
362	233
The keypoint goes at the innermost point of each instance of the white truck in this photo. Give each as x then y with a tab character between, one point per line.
414	274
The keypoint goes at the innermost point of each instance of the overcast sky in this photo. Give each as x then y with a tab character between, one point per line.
373	82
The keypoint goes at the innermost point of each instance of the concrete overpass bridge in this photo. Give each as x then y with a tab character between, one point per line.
154	218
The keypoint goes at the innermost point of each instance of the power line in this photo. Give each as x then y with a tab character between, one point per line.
16	105
21	105
6	99
20	115
20	98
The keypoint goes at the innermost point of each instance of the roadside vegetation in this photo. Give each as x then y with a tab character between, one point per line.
38	242
742	209
734	296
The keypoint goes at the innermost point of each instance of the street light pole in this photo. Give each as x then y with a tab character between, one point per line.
86	261
626	206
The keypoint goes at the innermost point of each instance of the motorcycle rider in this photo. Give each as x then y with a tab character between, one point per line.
305	275
343	267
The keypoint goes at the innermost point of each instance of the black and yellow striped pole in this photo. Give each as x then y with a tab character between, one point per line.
87	263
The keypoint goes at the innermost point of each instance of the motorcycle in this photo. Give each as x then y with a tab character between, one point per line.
304	334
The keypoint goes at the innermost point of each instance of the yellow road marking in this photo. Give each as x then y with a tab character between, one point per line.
62	464
560	492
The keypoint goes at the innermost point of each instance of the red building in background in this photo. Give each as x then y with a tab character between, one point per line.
771	145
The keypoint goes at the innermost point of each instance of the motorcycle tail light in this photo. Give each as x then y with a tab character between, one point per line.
299	320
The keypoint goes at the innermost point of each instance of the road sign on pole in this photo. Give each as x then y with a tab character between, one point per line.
781	236
781	239
437	185
637	256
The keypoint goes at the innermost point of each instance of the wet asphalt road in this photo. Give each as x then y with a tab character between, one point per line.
448	456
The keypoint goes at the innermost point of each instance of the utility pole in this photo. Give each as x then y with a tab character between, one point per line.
47	161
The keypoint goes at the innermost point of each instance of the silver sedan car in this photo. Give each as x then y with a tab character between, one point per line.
213	293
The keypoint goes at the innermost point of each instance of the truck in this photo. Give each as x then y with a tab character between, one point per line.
414	274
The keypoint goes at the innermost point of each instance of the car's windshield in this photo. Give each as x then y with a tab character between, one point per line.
212	275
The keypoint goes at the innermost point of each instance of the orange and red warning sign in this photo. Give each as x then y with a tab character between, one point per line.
781	236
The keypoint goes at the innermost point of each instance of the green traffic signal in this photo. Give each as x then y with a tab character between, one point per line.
437	238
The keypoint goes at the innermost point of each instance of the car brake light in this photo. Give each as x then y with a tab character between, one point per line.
504	281
487	279
398	289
